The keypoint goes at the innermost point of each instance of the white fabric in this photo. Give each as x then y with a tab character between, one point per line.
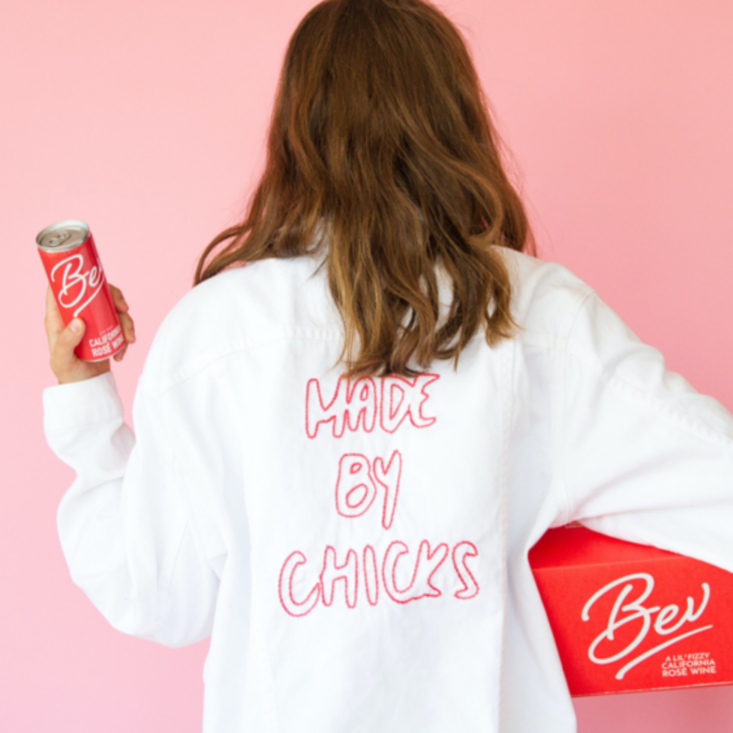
306	549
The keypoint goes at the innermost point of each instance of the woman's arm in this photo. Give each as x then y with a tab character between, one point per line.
644	456
124	523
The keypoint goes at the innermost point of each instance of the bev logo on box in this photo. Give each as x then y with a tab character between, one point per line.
628	607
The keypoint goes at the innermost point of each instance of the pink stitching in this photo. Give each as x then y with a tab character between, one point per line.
363	391
424	556
310	601
315	382
369	389
371	573
390	498
341	406
425	567
388	413
466	549
344	507
395	591
391	390
331	567
442	550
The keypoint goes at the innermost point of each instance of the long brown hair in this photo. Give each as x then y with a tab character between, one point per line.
380	136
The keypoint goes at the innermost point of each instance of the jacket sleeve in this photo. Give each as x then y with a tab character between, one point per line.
124	523
645	457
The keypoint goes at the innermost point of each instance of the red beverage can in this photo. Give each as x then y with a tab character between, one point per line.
78	283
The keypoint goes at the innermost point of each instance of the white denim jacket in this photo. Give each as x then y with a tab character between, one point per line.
358	551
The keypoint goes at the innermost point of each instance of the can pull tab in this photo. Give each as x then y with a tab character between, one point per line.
57	239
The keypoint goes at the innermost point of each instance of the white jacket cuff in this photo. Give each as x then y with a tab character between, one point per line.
80	404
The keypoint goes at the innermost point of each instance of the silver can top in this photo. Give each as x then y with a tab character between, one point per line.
63	235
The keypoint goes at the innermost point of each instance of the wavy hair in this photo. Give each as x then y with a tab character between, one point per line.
381	136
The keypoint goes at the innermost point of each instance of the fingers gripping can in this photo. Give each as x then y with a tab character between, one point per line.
78	283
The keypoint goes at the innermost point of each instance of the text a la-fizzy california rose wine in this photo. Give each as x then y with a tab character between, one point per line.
629	617
80	288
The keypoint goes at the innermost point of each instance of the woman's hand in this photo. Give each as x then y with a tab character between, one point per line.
63	340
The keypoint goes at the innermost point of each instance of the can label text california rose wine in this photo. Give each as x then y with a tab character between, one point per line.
78	283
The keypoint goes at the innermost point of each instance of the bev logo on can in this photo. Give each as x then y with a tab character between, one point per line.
80	288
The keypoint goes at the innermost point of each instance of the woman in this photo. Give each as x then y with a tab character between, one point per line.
344	450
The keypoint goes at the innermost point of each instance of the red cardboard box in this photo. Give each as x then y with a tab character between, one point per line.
628	617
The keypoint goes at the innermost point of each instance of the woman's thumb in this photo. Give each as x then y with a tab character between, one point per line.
72	334
62	350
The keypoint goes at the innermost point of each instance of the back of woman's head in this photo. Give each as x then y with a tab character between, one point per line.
380	138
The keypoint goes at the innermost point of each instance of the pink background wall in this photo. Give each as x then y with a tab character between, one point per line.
147	120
